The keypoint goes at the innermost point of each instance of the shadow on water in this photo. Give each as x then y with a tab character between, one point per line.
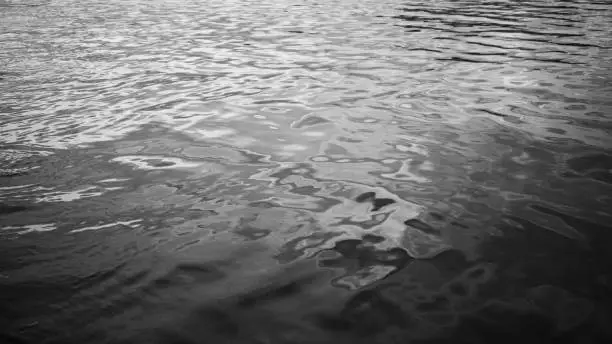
305	172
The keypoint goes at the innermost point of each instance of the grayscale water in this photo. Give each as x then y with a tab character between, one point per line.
301	171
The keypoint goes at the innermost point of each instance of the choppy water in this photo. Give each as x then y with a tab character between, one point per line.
284	171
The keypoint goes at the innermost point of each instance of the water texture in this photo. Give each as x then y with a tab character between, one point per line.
284	171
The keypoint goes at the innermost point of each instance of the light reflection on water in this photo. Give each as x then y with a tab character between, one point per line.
302	171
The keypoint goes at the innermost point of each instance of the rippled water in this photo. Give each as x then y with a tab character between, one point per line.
359	171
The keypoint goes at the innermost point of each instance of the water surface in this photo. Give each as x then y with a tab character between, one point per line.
305	171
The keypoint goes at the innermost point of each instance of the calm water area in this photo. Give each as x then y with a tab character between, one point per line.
305	171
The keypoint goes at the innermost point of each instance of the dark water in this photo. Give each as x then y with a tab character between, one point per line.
343	171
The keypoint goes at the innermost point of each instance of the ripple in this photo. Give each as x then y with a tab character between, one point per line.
70	196
107	225
156	162
445	165
46	227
